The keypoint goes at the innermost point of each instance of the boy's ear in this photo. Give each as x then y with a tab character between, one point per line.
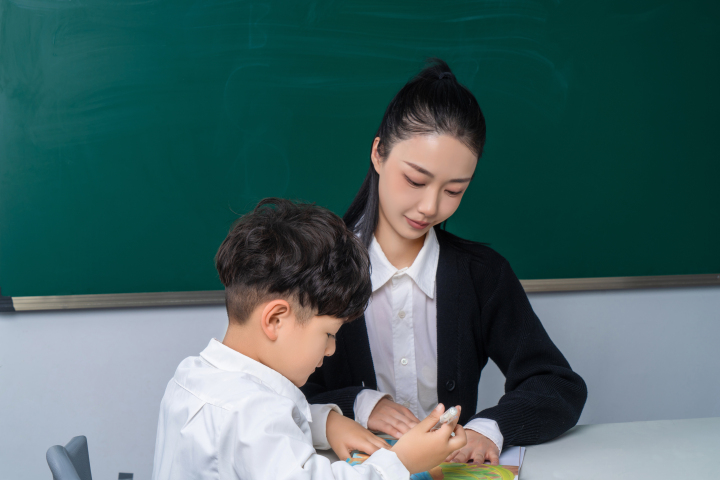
375	156
275	316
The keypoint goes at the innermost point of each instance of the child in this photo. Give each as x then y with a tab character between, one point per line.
441	305
293	275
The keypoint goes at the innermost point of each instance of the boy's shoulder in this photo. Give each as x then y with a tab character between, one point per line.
228	390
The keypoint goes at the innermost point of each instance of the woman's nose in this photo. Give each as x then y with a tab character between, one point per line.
428	204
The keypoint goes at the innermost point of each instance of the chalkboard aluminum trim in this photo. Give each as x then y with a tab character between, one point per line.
119	300
619	283
217	297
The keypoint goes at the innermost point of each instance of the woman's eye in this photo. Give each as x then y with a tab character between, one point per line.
414	184
453	194
330	335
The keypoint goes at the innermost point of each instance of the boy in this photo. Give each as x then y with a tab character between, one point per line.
293	274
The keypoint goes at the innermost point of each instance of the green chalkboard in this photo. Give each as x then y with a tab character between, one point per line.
132	134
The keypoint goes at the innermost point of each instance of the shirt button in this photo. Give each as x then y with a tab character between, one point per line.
401	314
406	404
404	361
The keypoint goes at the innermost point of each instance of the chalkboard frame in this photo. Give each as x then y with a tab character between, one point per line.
217	297
541	83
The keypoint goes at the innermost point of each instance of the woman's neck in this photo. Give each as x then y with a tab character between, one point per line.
400	251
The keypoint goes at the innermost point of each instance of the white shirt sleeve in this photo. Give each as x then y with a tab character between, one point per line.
487	427
269	443
365	403
318	426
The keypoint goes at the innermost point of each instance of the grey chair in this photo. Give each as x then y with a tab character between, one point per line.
70	462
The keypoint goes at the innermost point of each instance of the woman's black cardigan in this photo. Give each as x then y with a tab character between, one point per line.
482	312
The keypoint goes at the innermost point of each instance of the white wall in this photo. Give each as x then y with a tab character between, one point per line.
97	373
652	354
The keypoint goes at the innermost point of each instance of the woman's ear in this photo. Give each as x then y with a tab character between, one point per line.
275	316
375	156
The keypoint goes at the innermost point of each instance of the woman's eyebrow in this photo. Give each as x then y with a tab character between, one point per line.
425	172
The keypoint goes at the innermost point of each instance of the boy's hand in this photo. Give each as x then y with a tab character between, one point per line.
391	418
420	449
345	435
478	449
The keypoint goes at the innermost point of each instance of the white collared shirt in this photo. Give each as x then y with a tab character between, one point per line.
227	416
401	323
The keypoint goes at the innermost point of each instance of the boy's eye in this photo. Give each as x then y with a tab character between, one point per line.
414	184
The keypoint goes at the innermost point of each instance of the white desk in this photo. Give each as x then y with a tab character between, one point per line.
657	450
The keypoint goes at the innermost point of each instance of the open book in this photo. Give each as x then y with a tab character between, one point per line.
510	461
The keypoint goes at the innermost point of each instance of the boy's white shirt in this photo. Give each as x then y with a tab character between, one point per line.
227	416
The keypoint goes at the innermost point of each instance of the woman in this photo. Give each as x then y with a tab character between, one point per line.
441	305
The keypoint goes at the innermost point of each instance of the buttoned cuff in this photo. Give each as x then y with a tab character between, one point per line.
388	465
318	426
365	403
487	427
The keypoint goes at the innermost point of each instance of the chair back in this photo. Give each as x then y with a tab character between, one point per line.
71	462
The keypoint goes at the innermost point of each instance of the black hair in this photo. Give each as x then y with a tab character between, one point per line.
300	252
433	102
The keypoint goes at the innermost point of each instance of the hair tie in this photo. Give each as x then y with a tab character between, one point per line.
444	74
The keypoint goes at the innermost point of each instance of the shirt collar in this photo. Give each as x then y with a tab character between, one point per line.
225	358
422	271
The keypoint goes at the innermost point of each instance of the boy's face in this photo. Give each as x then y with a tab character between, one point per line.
302	347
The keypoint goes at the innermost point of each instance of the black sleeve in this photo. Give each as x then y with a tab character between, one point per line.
317	393
543	396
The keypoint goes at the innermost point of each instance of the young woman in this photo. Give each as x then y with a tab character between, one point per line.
441	305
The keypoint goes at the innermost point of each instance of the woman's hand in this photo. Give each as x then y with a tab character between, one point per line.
345	435
478	449
421	449
391	418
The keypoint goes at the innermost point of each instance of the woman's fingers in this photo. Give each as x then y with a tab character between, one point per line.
459	441
398	423
461	456
390	425
387	427
450	457
392	431
408	416
404	415
493	457
478	456
391	418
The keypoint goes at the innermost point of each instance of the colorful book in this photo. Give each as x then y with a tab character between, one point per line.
450	471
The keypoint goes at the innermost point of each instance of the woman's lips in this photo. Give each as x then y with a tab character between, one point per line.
417	225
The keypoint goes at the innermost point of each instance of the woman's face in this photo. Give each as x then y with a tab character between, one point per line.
422	181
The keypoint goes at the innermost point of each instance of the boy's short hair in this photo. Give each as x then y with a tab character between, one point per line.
296	251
